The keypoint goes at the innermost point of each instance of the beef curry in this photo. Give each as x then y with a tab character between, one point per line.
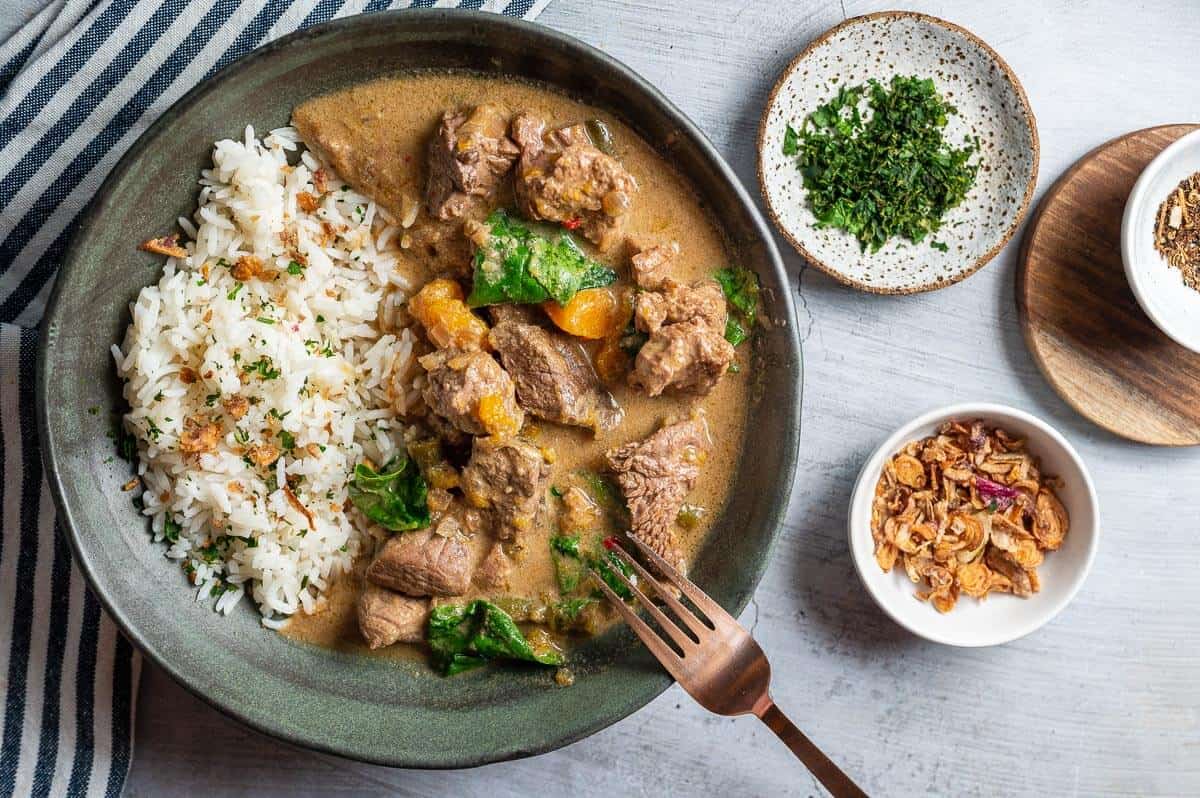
585	374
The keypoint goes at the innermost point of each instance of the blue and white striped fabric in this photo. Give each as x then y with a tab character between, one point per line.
78	84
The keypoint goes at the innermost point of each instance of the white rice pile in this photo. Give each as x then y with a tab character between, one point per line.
318	352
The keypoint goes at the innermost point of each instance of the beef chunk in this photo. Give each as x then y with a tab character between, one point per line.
686	351
524	314
468	157
655	475
385	617
441	247
494	570
651	261
554	377
564	178
702	301
425	562
689	357
506	478
470	390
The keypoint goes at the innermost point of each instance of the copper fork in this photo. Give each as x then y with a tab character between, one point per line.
716	661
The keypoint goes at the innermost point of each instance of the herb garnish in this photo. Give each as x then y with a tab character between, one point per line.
741	294
889	173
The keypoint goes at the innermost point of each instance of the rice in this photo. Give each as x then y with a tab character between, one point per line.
320	353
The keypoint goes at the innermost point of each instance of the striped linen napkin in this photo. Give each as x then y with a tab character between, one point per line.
78	84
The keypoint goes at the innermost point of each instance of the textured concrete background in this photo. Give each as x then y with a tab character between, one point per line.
1103	701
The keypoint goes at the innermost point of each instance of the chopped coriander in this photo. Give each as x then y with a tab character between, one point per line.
171	530
275	414
294	268
232	295
320	319
287	439
884	174
211	399
555	492
158	397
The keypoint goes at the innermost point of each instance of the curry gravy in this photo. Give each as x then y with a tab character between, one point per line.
381	129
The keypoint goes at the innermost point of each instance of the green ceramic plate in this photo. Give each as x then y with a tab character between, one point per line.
377	710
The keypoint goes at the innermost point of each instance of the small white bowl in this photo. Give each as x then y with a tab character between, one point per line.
1159	288
1000	617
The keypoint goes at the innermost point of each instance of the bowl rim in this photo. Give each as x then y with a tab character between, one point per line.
988	411
414	18
1026	112
1135	205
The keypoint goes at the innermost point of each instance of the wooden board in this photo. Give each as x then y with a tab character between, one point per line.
1081	321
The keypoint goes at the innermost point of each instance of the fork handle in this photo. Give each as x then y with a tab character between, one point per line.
829	774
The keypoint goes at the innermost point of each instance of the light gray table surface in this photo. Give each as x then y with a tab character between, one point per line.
1105	700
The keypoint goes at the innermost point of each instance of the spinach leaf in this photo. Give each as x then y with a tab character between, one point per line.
466	636
524	264
395	497
740	286
607	567
568	561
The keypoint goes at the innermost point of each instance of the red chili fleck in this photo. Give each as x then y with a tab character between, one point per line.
610	543
572	224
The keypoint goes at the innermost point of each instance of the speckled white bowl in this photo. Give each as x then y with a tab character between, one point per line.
1159	288
991	104
1000	617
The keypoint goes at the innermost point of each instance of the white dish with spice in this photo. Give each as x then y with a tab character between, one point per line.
997	618
1159	287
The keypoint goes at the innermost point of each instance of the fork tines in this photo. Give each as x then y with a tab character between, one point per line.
687	639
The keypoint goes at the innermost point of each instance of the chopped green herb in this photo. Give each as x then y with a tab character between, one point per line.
320	319
252	543
232	295
275	414
740	286
286	439
529	264
791	141
556	492
211	399
241	436
294	268
93	410
304	582
152	428
158	397
264	367
264	320
889	173
940	246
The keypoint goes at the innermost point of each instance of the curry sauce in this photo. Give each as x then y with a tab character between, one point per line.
375	135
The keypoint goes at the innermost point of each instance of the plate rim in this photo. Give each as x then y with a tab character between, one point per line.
1026	199
264	722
